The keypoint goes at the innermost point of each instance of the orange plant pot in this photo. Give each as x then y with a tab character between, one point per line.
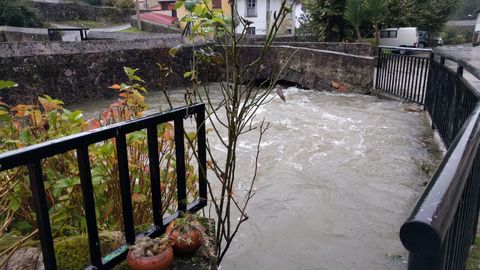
184	245
160	262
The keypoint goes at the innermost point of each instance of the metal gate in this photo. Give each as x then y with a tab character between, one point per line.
403	72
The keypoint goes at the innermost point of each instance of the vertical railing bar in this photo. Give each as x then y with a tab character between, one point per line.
202	152
391	73
122	157
154	166
41	211
400	75
414	76
180	164
428	62
404	76
423	79
417	74
89	205
396	70
410	91
422	82
425	75
379	64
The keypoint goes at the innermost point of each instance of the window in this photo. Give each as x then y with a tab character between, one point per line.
251	8
250	31
164	6
388	34
217	3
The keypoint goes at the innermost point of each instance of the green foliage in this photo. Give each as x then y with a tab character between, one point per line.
19	13
428	15
24	125
7	84
473	261
354	14
324	19
466	10
120	3
455	35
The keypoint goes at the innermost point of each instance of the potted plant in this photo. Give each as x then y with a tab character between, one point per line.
150	254
187	234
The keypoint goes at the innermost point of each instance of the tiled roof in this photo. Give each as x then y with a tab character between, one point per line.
158	18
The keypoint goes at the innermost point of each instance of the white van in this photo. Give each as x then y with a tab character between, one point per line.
400	37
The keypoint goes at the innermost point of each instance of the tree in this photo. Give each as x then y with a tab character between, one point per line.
354	15
18	13
432	15
466	9
376	12
324	19
428	15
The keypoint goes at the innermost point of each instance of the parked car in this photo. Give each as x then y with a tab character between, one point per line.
423	40
400	37
427	40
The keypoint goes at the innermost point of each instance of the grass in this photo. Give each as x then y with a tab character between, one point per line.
131	30
473	262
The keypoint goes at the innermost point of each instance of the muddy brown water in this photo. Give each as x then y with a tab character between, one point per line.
338	175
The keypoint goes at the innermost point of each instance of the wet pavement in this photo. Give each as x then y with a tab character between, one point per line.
467	53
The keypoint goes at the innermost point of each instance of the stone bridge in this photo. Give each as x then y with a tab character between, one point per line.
77	72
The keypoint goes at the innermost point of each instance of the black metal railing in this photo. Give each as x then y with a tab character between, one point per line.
32	156
443	224
403	75
55	34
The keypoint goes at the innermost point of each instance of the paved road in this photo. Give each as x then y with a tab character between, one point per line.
75	36
467	53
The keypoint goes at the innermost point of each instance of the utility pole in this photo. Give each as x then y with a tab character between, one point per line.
137	15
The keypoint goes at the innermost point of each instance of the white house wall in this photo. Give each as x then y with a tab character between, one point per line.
259	22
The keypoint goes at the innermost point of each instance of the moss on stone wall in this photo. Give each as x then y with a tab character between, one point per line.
72	253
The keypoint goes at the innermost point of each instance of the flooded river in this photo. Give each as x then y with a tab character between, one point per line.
339	174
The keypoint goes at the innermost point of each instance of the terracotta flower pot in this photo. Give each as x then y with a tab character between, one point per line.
160	262
184	243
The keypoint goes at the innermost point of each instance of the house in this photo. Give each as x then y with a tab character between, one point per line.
215	4
145	4
476	33
260	13
165	7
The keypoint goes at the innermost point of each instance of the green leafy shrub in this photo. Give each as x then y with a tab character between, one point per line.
27	124
18	13
455	35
